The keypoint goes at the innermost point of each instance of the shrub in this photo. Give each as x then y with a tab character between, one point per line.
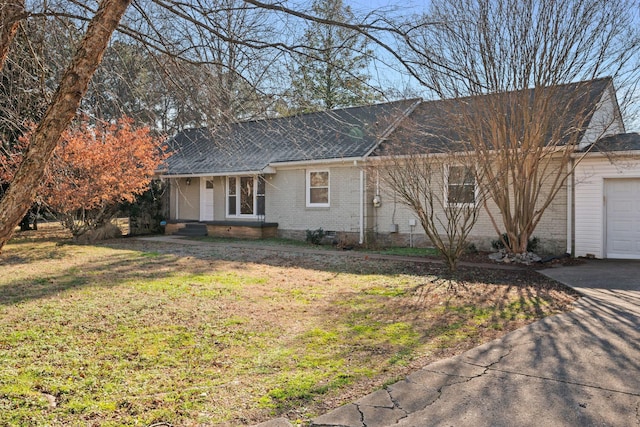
315	236
532	244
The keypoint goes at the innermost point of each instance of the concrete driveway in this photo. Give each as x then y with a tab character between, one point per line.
580	368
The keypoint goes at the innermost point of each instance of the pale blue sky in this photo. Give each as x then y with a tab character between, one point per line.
389	78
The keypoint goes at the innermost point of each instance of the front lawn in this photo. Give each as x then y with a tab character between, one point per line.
134	333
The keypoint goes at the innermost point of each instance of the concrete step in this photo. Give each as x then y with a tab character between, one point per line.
192	230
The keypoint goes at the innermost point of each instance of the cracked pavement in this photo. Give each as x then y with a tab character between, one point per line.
580	368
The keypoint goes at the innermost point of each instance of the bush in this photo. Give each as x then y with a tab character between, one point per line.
315	236
532	244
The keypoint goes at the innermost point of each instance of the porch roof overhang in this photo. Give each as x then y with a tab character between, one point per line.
270	169
266	170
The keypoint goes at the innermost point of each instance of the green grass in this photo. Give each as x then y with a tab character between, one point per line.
126	335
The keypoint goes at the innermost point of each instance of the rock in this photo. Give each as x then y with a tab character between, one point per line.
497	256
524	258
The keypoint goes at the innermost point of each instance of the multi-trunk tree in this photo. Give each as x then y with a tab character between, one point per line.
524	137
463	47
440	192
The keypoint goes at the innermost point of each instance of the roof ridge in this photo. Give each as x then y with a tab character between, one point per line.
561	85
321	112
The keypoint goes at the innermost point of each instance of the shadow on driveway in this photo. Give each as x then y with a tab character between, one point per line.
580	368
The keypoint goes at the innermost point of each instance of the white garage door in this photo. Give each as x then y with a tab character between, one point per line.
623	218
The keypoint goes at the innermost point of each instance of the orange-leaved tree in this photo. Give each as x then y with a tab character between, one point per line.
93	170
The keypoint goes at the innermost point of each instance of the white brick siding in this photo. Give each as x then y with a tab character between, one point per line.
286	200
552	229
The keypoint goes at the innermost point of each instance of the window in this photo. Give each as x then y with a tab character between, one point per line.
260	196
232	191
318	188
461	185
245	196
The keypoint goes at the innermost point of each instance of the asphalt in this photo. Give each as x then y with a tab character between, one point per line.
579	368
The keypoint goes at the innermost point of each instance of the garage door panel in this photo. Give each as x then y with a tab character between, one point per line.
622	205
622	218
622	246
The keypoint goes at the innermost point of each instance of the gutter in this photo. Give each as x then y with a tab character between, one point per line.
580	155
316	162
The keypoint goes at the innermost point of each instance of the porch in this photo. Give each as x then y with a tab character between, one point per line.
233	229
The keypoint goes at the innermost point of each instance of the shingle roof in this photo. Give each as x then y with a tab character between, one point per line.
619	142
253	145
434	126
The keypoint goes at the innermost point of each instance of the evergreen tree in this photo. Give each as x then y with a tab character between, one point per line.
331	72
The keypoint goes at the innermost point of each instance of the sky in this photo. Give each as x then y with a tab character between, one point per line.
381	73
411	5
387	76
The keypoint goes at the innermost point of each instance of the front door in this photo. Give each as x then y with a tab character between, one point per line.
206	199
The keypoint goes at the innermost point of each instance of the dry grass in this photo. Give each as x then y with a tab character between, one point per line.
133	333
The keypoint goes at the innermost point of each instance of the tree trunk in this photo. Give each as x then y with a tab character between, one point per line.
73	85
11	13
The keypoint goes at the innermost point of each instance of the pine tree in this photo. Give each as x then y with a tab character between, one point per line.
331	72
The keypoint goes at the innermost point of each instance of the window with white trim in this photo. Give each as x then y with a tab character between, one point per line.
232	196
461	185
260	196
245	196
318	188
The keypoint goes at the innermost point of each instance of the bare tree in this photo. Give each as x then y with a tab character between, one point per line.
438	184
40	52
11	13
61	110
511	67
446	213
145	22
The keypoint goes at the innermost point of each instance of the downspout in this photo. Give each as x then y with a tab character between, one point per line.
177	196
361	241
570	207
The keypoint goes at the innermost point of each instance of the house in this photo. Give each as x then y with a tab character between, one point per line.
284	176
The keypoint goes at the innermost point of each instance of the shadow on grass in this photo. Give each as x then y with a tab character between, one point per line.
405	319
444	315
153	257
105	272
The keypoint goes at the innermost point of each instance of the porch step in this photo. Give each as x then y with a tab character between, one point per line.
192	229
